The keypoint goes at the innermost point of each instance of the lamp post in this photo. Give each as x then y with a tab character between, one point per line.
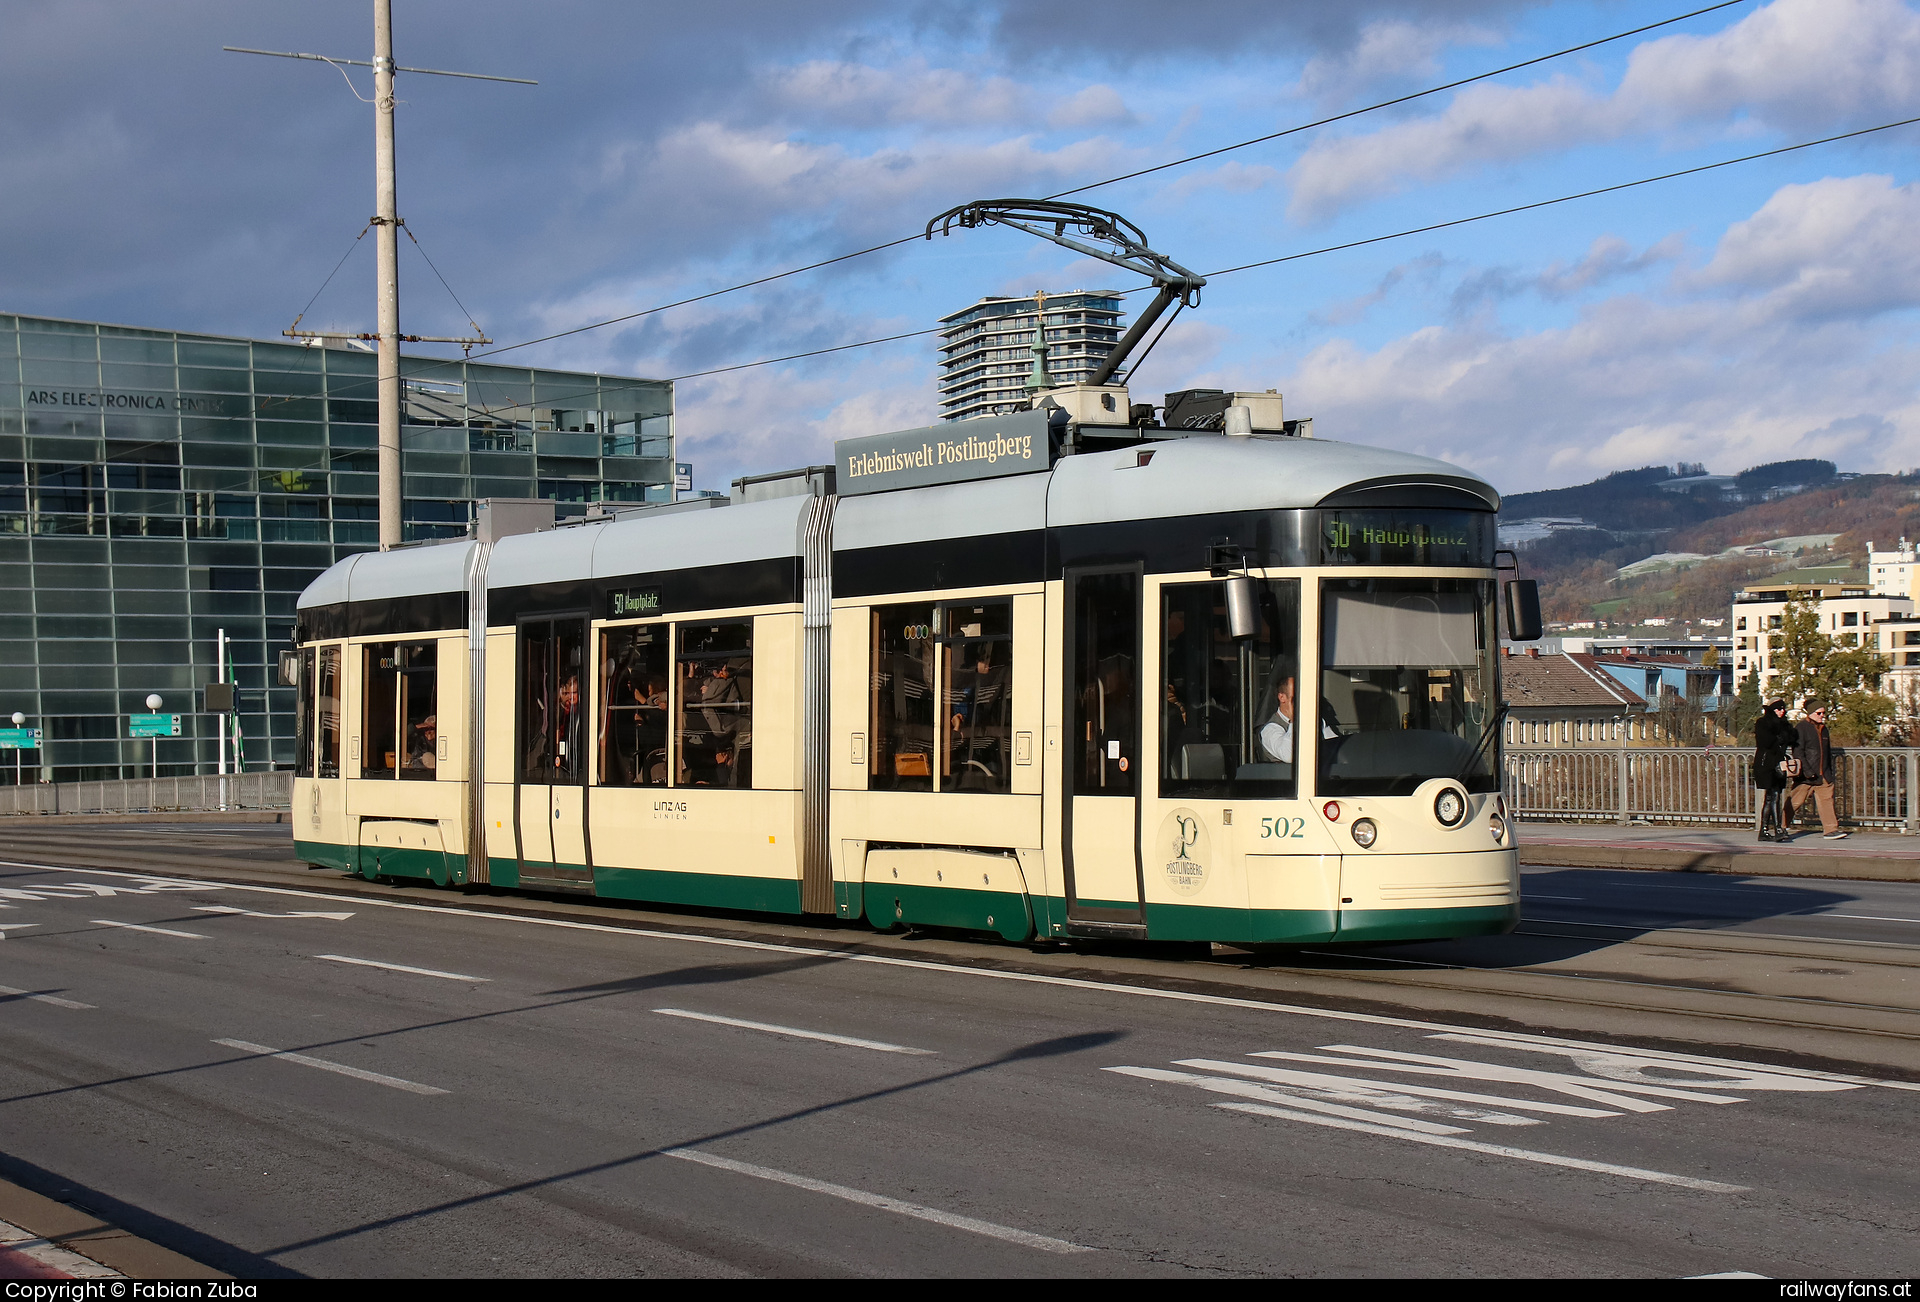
19	719
153	707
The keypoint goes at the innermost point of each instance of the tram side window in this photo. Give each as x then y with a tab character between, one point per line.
552	706
327	701
419	692
303	718
904	667
634	674
1228	710
976	677
398	732
714	740
379	706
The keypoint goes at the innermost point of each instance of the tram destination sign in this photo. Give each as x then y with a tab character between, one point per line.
1014	444
624	603
1406	537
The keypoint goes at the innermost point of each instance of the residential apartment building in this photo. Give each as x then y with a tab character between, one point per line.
987	349
1891	573
1568	701
1853	614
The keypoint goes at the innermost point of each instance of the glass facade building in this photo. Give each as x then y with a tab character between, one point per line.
157	487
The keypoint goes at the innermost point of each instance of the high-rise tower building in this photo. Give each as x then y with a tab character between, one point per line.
988	348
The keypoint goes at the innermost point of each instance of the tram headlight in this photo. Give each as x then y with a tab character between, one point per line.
1498	826
1450	806
1365	833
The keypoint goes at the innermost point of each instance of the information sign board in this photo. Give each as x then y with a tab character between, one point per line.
154	725
1013	444
19	739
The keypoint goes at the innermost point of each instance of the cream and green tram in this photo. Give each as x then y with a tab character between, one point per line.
1013	676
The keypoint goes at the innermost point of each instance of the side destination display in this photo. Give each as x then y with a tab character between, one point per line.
1015	444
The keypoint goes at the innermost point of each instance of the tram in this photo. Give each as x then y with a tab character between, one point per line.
1060	673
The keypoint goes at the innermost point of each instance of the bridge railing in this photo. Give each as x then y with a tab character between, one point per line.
1873	786
235	791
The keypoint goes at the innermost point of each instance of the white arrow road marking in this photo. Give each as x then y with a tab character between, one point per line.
1247	1089
55	1000
400	967
1361	1090
1492	1150
249	913
339	1068
1609	1093
158	931
865	1199
847	1040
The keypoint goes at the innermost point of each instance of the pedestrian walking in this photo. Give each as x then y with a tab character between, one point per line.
1814	749
1774	738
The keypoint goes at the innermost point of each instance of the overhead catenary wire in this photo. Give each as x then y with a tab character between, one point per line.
1094	185
1392	235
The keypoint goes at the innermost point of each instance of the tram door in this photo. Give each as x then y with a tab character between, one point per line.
1102	747
551	733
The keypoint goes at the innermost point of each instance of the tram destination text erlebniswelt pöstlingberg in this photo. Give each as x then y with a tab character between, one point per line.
942	453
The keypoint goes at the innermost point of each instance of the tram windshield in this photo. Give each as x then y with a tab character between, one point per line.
1227	705
1406	685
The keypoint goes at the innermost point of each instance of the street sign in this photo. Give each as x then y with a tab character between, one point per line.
19	739
154	725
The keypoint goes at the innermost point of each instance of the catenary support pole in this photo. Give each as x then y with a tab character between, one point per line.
386	224
220	676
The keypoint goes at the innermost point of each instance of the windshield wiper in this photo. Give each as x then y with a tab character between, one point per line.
1493	726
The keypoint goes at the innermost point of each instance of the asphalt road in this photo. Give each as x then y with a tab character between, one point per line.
282	1082
1875	912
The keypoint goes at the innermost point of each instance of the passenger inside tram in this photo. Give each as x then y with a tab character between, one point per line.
977	718
420	746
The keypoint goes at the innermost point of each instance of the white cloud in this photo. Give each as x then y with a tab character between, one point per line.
1608	258
1778	347
1843	246
1387	49
1794	64
1095	106
910	92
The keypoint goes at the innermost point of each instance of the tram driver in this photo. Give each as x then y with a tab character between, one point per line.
1276	734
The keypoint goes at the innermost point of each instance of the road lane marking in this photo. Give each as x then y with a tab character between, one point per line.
5	927
400	967
339	1068
158	931
1247	1089
249	913
1316	1080
848	1040
1491	1150
952	1220
1863	917
55	1000
1029	978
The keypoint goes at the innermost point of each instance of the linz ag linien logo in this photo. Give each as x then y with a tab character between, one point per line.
635	601
674	810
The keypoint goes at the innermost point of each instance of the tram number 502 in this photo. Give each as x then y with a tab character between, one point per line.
1283	827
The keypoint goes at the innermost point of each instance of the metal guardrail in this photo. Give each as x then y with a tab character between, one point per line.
271	790
1873	786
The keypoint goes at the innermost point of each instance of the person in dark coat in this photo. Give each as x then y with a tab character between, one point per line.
1814	750
1774	740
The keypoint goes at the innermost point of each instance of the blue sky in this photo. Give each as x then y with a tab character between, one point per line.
1750	314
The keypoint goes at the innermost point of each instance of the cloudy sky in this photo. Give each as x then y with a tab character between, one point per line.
1749	314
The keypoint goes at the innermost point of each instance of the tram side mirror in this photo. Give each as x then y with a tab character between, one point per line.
289	669
1243	608
1523	610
